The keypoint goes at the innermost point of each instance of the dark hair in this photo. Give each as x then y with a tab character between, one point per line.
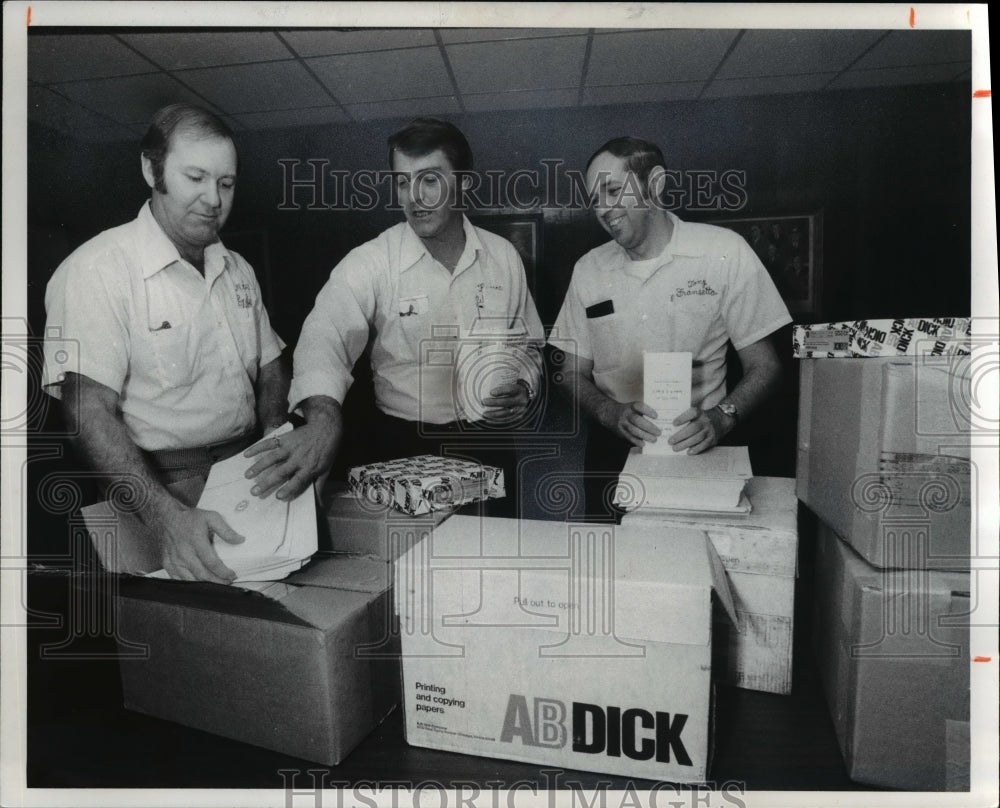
170	120
640	156
424	135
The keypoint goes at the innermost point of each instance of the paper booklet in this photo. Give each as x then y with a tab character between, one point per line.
710	481
666	387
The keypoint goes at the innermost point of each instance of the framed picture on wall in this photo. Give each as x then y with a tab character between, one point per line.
791	249
523	230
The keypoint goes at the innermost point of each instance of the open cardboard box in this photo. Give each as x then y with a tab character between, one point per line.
581	646
308	667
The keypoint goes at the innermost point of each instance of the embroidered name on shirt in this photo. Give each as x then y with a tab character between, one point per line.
244	296
489	295
695	287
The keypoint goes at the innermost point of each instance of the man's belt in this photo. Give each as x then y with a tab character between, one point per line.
200	456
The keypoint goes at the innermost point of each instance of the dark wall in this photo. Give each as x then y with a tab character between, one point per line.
888	169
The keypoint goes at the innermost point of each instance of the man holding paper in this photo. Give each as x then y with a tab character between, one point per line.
661	286
444	306
177	365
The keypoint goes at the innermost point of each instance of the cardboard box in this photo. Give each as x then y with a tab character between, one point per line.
425	483
579	646
760	554
308	674
909	336
893	653
361	527
883	458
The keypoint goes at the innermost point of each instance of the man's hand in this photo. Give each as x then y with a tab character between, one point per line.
700	430
631	421
188	554
508	402
290	462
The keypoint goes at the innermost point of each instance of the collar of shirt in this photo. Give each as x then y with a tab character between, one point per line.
682	243
159	252
412	249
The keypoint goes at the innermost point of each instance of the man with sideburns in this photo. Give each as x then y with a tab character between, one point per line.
420	295
660	284
178	364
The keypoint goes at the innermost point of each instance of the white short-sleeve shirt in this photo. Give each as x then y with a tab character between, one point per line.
418	318
707	288
182	351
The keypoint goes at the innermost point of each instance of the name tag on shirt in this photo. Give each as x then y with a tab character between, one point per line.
602	309
410	306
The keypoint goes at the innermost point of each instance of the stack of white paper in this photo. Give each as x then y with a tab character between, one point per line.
280	537
710	481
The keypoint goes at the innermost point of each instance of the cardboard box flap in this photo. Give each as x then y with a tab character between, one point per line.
682	558
350	573
123	543
209	597
324	607
564	578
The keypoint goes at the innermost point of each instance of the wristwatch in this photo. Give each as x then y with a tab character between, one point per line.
527	386
730	410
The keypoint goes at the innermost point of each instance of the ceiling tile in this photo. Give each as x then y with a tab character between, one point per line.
330	42
767	85
453	35
51	109
62	57
406	108
634	93
529	99
360	77
257	87
901	48
175	51
129	99
524	64
644	56
783	53
291	117
897	76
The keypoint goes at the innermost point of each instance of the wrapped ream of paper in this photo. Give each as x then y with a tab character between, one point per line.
419	485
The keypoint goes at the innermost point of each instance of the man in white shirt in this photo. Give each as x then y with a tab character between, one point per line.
661	284
431	295
178	366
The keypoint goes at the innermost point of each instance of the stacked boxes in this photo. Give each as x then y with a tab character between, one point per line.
883	461
760	554
893	649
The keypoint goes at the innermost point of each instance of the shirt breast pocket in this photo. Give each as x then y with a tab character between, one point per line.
607	340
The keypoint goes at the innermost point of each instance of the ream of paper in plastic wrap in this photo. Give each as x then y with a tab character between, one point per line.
912	336
425	483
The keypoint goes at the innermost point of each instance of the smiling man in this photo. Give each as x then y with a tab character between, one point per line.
421	294
661	284
178	364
